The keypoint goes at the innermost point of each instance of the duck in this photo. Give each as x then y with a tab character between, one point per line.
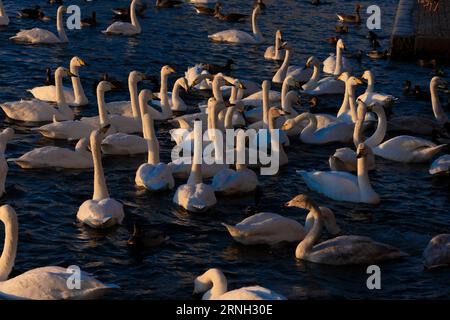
126	28
195	196
230	17
176	102
101	211
57	157
41	36
421	125
78	129
146	238
5	136
332	40
351	18
214	286
35	13
344	186
4	19
163	4
370	96
441	165
41	111
153	175
237	36
437	253
336	64
74	96
90	21
45	283
300	74
267	228
377	54
340	251
123	14
341	29
201	9
49	78
274	52
215	69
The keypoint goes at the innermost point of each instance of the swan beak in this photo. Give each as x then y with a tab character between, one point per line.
287	204
241	86
172	70
70	74
83	63
359	81
105	129
341	77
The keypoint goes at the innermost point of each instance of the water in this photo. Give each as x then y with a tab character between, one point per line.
414	207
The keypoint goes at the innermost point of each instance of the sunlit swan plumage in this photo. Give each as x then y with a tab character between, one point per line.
5	136
301	74
46	283
237	36
343	186
437	252
214	284
336	64
40	111
274	52
126	28
175	102
41	36
342	250
101	211
441	165
4	20
370	96
74	96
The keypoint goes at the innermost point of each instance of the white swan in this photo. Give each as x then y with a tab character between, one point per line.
370	96
163	94
126	28
274	52
40	111
46	283
301	74
342	250
214	284
328	85
153	175
4	20
74	96
175	102
57	157
437	252
336	64
441	165
421	125
343	186
237	36
77	129
101	211
5	136
41	36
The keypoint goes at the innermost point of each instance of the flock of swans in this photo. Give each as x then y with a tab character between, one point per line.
128	127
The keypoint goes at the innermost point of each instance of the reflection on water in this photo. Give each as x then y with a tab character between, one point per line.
414	205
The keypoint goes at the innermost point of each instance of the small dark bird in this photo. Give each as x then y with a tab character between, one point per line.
372	36
123	14
214	69
206	11
36	13
407	85
259	3
313	102
358	55
55	1
106	77
332	40
49	78
146	239
231	17
164	4
91	21
351	18
341	29
315	2
376	54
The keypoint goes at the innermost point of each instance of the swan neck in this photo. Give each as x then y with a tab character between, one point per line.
365	188
165	105
100	188
338	67
305	246
152	140
370	83
134	99
438	112
2	10
256	31
8	256
101	104
80	96
229	117
352	103
196	169
217	93
60	27
380	132
133	16
345	103
266	106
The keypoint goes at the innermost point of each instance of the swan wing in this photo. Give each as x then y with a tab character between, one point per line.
155	177
299	73
231	182
36	35
124	144
53	157
30	110
121	28
251	293
328	85
66	130
48	93
404	149
122	108
233	36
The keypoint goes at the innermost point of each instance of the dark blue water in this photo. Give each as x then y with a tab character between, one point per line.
414	207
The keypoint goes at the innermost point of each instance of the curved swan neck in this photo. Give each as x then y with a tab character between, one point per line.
338	67
152	140
284	66
132	87
305	246
101	104
196	169
100	188
438	112
370	82
60	26
365	188
8	256
256	31
78	92
345	103
133	16
284	90
218	281
358	132
380	132
2	10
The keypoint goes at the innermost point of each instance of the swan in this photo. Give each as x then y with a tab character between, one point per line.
237	36
163	95
101	211
41	36
274	52
271	228
229	118
40	111
342	250
437	252
77	129
236	182
4	20
421	125
441	165
5	136
175	102
126	28
153	175
214	284
74	96
344	186
315	77
45	283
301	74
370	97
128	108
336	64
57	157
195	196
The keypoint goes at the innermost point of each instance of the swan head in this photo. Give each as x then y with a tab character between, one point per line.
206	281
105	86
238	84
136	76
340	44
357	7
275	112
7	213
438	82
78	62
146	95
7	134
367	75
166	70
63	72
353	81
285	45
300	201
279	35
312	61
344	76
374	107
61	10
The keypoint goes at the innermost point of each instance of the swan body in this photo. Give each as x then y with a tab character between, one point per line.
126	28
41	36
336	64
237	36
74	96
301	74
327	85
369	97
181	168
123	144
274	52
175	102
4	20
437	252
214	284
5	136
441	165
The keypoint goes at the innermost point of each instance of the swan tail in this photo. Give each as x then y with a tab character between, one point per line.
234	232
430	152
94	293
